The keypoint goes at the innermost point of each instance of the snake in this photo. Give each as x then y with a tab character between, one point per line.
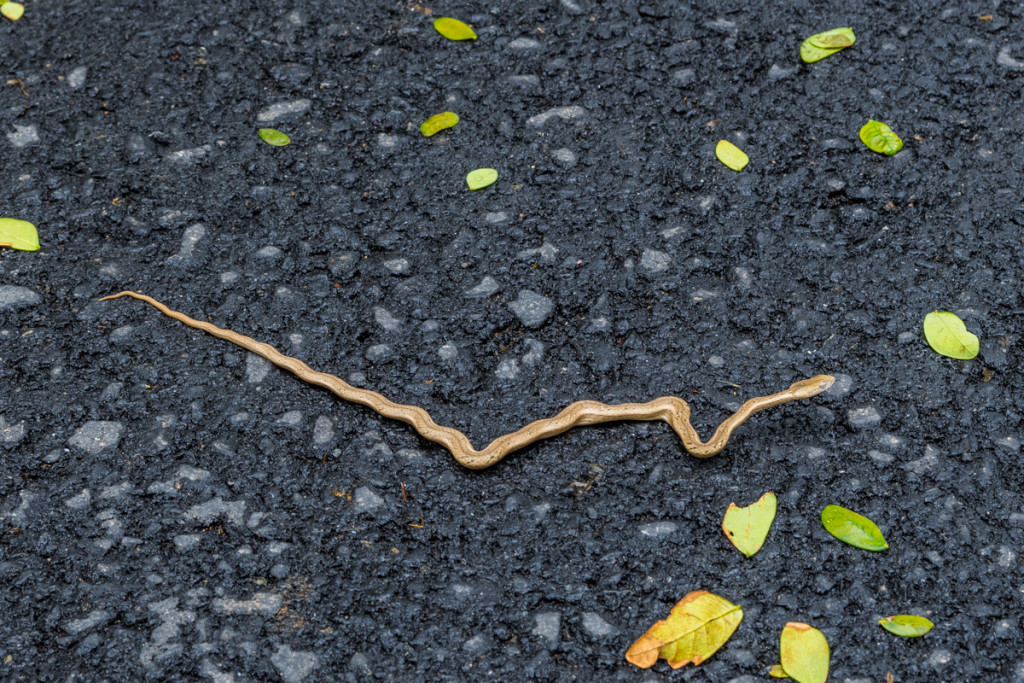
671	409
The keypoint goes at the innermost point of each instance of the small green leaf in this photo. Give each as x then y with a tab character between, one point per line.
907	625
748	527
453	29
438	122
849	527
947	334
827	43
12	10
18	234
274	137
778	672
481	178
880	138
731	155
804	653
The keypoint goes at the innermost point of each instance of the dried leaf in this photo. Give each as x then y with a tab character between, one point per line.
12	10
698	625
438	122
18	234
907	625
731	155
274	137
947	334
453	29
481	178
880	138
803	652
778	672
849	527
826	43
748	527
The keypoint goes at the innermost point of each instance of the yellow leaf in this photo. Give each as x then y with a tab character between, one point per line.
12	10
947	334
748	527
18	234
698	625
731	155
438	122
453	29
778	672
481	178
826	43
804	653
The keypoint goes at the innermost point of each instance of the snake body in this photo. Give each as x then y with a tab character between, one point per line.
675	411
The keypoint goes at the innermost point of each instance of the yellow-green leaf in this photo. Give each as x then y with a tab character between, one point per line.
849	527
907	625
778	672
880	138
481	178
274	137
18	234
438	122
12	10
453	29
748	527
826	43
698	625
947	334
731	155
803	651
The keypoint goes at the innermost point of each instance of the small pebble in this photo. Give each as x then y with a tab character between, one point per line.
532	309
76	77
281	110
13	297
96	436
654	261
863	418
23	136
596	627
366	500
486	287
379	352
548	627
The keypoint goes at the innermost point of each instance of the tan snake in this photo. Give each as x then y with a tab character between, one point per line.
675	411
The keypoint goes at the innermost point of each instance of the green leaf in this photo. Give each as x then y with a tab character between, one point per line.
947	334
826	43
804	653
453	29
12	10
849	527
731	155
274	137
907	625
17	234
778	672
438	122
481	178
880	138
748	527
698	625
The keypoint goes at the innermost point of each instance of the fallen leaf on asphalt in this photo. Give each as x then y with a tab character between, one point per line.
803	651
880	138
778	672
826	43
849	527
481	178
438	122
698	625
946	333
907	625
274	137
18	234
731	155
453	29
748	527
12	10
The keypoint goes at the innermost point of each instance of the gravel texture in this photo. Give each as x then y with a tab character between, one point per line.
174	508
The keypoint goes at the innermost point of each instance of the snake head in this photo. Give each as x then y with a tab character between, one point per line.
813	386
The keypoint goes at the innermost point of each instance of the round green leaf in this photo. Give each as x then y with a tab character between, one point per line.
453	29
947	334
849	527
481	178
826	43
731	155
438	122
748	527
274	137
18	234
880	138
804	653
12	10
907	625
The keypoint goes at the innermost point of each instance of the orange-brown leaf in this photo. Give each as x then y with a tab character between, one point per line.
698	625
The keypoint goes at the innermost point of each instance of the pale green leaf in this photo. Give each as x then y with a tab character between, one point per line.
731	155
880	138
438	122
481	178
826	43
12	10
907	625
18	234
803	651
698	625
274	137
748	527
849	527
947	334
453	29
